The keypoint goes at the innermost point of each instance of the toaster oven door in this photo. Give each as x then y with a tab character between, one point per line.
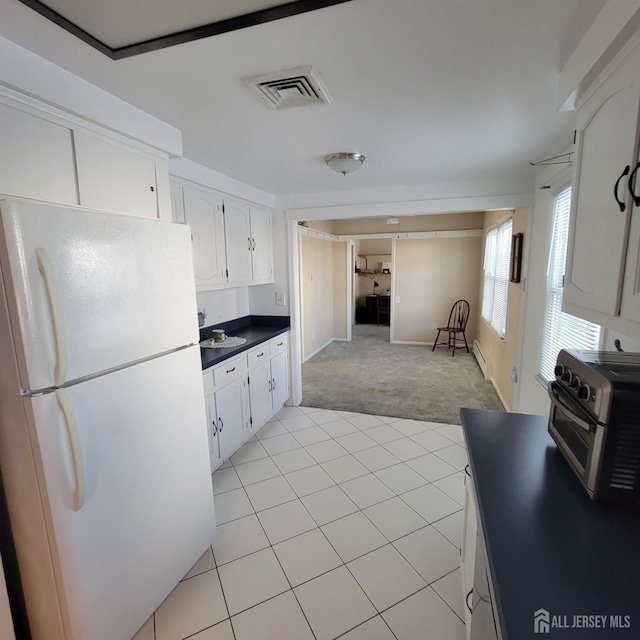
577	434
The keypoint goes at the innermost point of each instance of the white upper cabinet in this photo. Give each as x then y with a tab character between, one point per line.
600	279
239	242
103	164
261	245
203	211
50	155
232	241
36	160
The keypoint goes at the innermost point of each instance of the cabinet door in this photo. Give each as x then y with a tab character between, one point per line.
630	306
203	211
230	409
238	236
212	432
279	380
607	147
37	158
468	551
260	395
114	178
261	253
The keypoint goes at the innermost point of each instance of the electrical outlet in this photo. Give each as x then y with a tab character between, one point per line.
434	326
279	299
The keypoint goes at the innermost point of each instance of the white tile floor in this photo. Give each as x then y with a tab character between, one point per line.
330	524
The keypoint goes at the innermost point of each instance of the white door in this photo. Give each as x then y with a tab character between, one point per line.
148	508
203	211
261	260
260	394
280	379
238	239
230	411
607	151
123	285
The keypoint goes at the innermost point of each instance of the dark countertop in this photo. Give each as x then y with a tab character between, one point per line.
548	545
256	329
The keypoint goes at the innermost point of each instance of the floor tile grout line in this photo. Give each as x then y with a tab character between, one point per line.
444	599
378	615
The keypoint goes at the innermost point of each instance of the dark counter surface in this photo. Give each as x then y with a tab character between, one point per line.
256	329
548	545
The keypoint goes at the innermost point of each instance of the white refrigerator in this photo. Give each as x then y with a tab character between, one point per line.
103	441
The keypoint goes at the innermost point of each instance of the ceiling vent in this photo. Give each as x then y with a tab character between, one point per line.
289	88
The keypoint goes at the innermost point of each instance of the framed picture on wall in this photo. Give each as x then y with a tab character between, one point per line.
516	257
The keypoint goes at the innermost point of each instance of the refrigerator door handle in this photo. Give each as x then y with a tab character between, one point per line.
55	303
76	448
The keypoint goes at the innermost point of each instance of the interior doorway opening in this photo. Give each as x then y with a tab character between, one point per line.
372	282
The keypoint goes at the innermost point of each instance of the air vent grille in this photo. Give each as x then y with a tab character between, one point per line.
290	88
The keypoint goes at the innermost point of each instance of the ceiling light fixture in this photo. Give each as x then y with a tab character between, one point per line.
344	162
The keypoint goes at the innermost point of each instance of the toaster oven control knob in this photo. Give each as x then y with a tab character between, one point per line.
575	383
566	375
559	370
584	392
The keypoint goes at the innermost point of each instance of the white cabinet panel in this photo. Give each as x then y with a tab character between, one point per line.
261	244
212	421
114	178
230	412
239	241
36	159
607	130
260	394
203	212
280	380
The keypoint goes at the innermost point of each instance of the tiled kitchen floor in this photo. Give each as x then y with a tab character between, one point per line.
330	524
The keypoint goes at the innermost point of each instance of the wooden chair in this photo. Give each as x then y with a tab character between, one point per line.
457	324
383	308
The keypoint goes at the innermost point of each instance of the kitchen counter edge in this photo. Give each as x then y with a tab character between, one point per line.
256	330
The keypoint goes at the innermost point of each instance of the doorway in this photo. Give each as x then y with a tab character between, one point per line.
372	282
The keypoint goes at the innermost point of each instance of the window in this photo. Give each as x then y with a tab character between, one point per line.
497	256
561	330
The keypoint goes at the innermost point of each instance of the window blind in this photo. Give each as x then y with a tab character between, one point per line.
497	257
561	330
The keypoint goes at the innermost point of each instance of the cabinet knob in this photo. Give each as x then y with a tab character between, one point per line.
152	189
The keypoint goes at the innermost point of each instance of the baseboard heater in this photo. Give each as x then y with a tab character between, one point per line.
484	362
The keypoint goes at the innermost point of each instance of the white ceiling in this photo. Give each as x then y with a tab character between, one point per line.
430	91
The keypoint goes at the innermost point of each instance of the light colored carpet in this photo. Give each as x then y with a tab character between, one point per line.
370	375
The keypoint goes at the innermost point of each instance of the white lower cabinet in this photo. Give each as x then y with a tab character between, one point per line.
268	379
237	403
212	422
468	552
226	402
231	417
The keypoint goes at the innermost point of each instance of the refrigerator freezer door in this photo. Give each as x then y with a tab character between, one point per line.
124	288
148	511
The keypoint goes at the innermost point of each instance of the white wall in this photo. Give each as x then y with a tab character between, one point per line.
224	305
